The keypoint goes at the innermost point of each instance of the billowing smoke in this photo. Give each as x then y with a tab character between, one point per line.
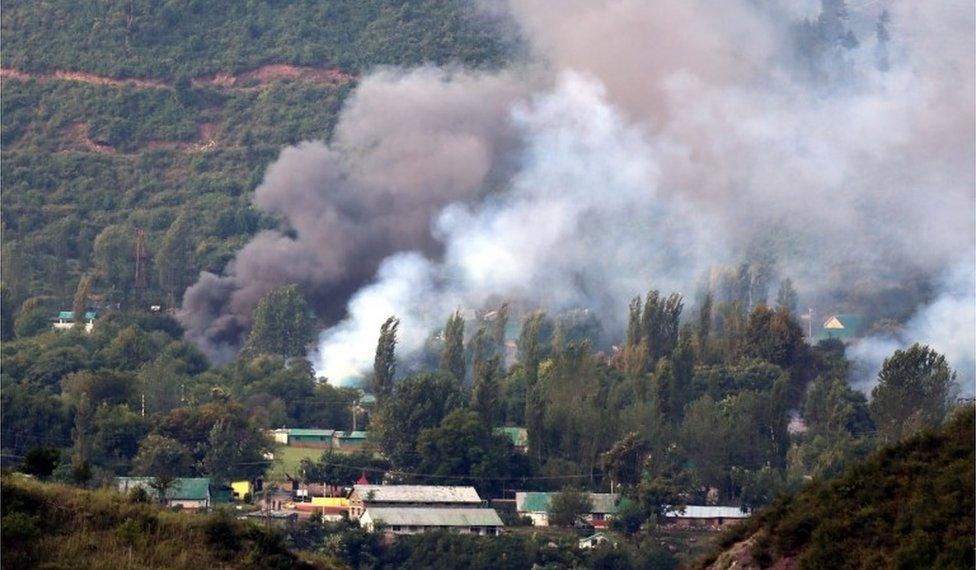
407	144
660	139
948	325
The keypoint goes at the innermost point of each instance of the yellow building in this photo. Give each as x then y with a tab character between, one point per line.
241	489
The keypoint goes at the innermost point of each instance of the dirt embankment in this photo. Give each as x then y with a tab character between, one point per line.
248	80
739	557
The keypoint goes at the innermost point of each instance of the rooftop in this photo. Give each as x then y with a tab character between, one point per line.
183	489
421	516
417	494
351	434
518	435
310	432
538	502
70	315
707	512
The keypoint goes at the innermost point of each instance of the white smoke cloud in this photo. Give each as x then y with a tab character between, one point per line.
581	224
648	141
948	325
669	143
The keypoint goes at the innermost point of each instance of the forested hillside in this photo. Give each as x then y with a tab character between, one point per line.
908	506
89	156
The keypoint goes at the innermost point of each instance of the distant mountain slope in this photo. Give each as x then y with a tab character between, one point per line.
56	526
166	40
122	115
908	506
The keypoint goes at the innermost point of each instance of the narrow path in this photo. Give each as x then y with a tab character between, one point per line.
244	81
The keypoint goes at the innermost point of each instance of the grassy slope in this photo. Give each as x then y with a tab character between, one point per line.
57	526
910	505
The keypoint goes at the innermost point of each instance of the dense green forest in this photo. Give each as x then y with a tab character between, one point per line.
86	161
908	506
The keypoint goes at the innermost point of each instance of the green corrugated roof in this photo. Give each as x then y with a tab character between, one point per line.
70	315
183	488
537	502
518	435
310	432
533	502
352	435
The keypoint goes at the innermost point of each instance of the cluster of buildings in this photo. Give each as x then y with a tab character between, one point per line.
410	509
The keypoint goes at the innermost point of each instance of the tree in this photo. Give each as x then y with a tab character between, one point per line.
463	446
6	313
161	456
130	349
787	297
624	462
774	336
40	461
281	324
915	390
81	438
174	258
568	506
420	401
384	365
452	358
117	431
235	450
530	356
704	325
113	260
485	388
660	324
80	305
498	326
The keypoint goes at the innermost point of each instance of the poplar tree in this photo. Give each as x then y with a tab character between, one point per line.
80	304
174	258
530	356
452	358
787	297
282	325
384	366
704	325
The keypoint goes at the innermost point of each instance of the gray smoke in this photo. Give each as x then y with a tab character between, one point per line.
407	144
662	139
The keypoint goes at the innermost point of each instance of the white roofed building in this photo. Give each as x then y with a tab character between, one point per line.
704	516
413	520
421	496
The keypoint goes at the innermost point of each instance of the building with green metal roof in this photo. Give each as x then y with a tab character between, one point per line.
535	505
188	492
519	436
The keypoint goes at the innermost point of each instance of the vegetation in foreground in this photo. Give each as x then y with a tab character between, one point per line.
908	506
57	526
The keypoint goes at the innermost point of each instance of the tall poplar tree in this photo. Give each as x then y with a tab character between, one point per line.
384	365
452	358
80	304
